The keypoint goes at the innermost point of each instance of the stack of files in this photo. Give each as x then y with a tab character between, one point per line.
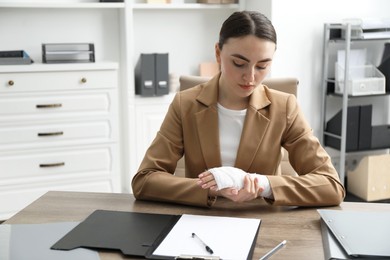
355	234
68	52
14	57
161	236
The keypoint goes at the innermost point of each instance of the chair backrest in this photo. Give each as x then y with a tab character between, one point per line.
288	85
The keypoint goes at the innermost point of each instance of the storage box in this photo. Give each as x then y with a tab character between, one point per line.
68	52
208	69
371	178
362	80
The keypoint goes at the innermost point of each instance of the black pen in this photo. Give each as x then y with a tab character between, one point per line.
208	249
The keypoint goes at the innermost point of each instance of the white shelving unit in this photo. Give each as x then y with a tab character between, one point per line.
345	99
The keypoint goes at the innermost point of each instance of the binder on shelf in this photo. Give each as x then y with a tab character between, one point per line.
380	136
145	75
162	73
365	128
152	74
15	57
68	52
334	126
162	236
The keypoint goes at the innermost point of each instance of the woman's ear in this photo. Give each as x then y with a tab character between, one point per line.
218	54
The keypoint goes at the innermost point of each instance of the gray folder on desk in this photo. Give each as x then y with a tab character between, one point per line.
33	241
359	233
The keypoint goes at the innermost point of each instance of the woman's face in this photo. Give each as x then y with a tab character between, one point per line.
244	63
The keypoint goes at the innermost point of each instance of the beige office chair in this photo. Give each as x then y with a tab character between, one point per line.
288	85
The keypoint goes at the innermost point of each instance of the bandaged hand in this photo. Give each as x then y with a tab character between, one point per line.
231	177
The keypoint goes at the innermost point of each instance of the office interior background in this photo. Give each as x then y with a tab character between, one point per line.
120	33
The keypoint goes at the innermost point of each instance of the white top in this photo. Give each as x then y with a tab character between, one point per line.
230	123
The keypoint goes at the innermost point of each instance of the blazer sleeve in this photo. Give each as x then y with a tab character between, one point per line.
318	181
154	179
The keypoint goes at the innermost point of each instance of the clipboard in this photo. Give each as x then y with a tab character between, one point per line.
145	234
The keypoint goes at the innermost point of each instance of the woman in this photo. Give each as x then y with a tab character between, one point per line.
233	125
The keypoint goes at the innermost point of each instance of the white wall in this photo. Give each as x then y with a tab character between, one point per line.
299	25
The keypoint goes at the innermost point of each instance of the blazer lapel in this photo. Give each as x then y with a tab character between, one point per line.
207	124
254	129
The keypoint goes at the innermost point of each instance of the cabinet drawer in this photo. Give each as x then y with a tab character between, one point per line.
57	80
55	133
56	164
61	104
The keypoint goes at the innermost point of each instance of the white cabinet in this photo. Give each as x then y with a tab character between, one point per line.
58	130
74	107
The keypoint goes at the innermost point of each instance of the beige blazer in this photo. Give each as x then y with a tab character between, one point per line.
273	119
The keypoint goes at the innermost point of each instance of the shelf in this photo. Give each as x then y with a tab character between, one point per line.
362	96
364	152
183	6
336	31
331	87
35	67
61	5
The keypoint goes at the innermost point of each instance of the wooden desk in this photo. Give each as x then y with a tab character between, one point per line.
299	226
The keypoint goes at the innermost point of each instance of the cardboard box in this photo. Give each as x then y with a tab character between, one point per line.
208	69
371	178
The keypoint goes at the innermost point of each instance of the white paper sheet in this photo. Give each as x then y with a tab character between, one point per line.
229	238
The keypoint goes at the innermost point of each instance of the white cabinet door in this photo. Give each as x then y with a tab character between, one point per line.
148	118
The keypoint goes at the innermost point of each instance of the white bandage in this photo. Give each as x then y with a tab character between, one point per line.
231	177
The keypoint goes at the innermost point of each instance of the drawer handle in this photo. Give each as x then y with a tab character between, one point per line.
83	80
49	105
50	134
47	165
11	83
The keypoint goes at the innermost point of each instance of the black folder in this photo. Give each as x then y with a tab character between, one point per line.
132	233
135	234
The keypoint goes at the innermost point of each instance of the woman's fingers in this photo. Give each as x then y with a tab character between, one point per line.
207	181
